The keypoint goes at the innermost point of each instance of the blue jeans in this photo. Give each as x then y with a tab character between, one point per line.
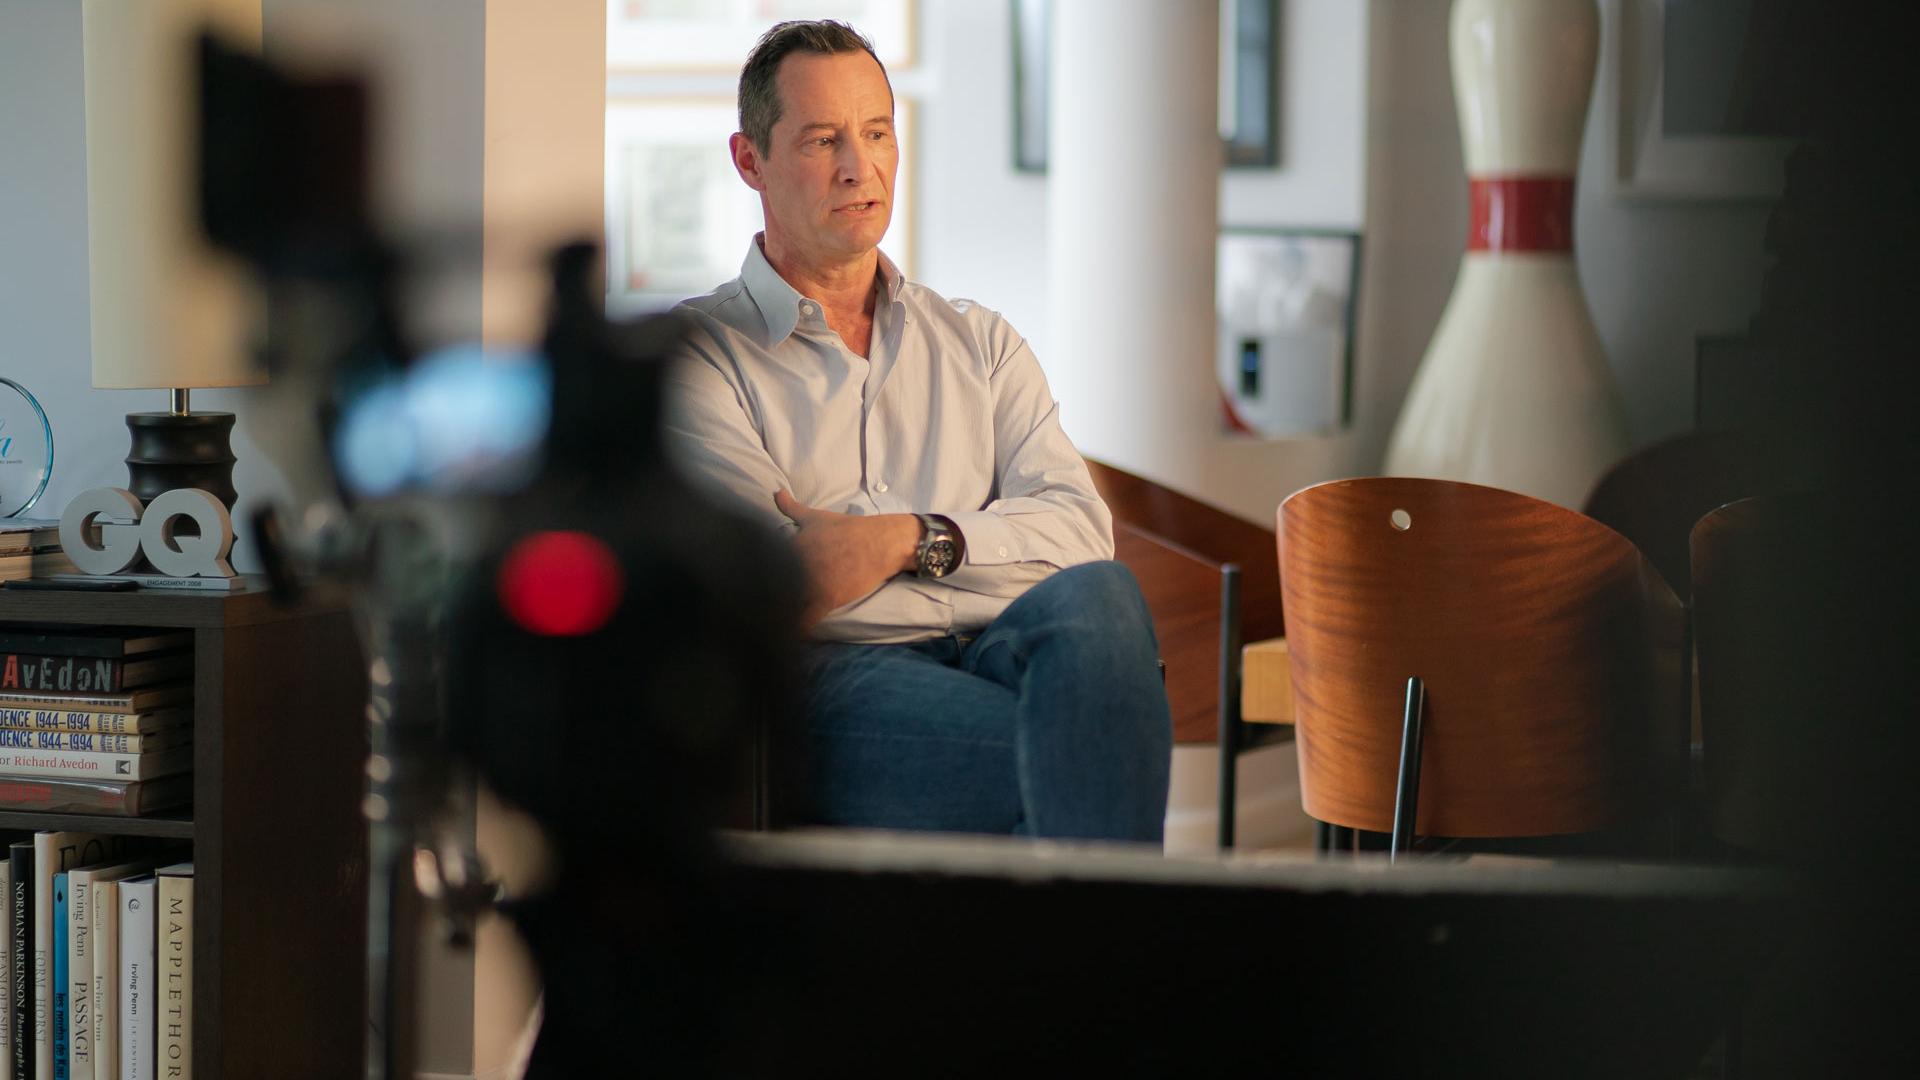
1052	722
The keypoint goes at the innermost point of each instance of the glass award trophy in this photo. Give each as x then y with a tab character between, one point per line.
26	449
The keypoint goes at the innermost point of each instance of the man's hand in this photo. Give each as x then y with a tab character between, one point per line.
848	556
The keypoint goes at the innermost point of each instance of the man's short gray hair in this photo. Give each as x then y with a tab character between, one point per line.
760	98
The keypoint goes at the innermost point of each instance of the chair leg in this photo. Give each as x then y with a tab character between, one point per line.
1731	1050
762	776
1406	800
1322	837
1229	703
1342	839
1229	779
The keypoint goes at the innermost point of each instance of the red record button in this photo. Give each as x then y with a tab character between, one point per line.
560	584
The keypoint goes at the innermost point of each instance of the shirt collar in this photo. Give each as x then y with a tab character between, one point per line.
779	302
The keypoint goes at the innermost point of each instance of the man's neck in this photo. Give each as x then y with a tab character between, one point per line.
844	287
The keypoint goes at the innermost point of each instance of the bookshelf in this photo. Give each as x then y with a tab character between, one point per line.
279	846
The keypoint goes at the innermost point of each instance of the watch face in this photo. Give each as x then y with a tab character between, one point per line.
938	560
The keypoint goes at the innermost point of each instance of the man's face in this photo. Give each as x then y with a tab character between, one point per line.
826	178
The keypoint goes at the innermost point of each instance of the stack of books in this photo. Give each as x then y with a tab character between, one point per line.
95	720
30	548
96	961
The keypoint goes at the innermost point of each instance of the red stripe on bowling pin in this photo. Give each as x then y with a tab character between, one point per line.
1521	213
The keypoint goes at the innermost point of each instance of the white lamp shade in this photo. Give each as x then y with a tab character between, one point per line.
167	310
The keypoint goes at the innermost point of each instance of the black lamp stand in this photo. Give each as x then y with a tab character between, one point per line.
180	448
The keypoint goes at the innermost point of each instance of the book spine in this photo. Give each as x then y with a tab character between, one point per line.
6	966
106	797
53	852
176	977
88	742
79	981
60	674
75	766
45	847
106	975
63	645
104	723
109	646
21	856
115	703
136	979
57	976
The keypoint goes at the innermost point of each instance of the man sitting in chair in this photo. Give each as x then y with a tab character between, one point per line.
982	665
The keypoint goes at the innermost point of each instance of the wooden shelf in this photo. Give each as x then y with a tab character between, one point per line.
279	845
176	824
144	607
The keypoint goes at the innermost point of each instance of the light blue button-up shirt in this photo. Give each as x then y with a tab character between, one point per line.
949	414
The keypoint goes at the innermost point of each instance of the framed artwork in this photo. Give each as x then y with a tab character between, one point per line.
1285	305
1249	83
678	216
1694	115
1031	20
716	35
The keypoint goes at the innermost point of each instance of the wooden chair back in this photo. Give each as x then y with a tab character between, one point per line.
1550	647
1807	626
1176	546
1654	496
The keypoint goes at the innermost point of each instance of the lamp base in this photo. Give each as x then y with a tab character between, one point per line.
175	450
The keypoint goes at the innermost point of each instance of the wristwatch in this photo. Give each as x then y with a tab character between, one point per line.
940	547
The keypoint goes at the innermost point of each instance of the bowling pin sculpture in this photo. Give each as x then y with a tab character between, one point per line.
1514	391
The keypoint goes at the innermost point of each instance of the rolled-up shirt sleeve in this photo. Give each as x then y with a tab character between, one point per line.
711	436
1045	515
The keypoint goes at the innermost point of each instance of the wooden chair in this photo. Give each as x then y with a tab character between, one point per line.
1210	581
1807	624
1548	646
1654	496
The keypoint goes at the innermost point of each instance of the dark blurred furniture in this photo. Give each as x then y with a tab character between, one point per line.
856	953
1210	580
1807	626
1550	650
1654	496
1807	618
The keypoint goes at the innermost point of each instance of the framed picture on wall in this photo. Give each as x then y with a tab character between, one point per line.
1695	114
1249	82
1285	305
668	36
678	216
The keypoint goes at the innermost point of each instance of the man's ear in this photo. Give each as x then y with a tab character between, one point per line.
746	161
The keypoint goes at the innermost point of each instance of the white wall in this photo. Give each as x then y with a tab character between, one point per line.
44	329
982	224
1370	142
1659	275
